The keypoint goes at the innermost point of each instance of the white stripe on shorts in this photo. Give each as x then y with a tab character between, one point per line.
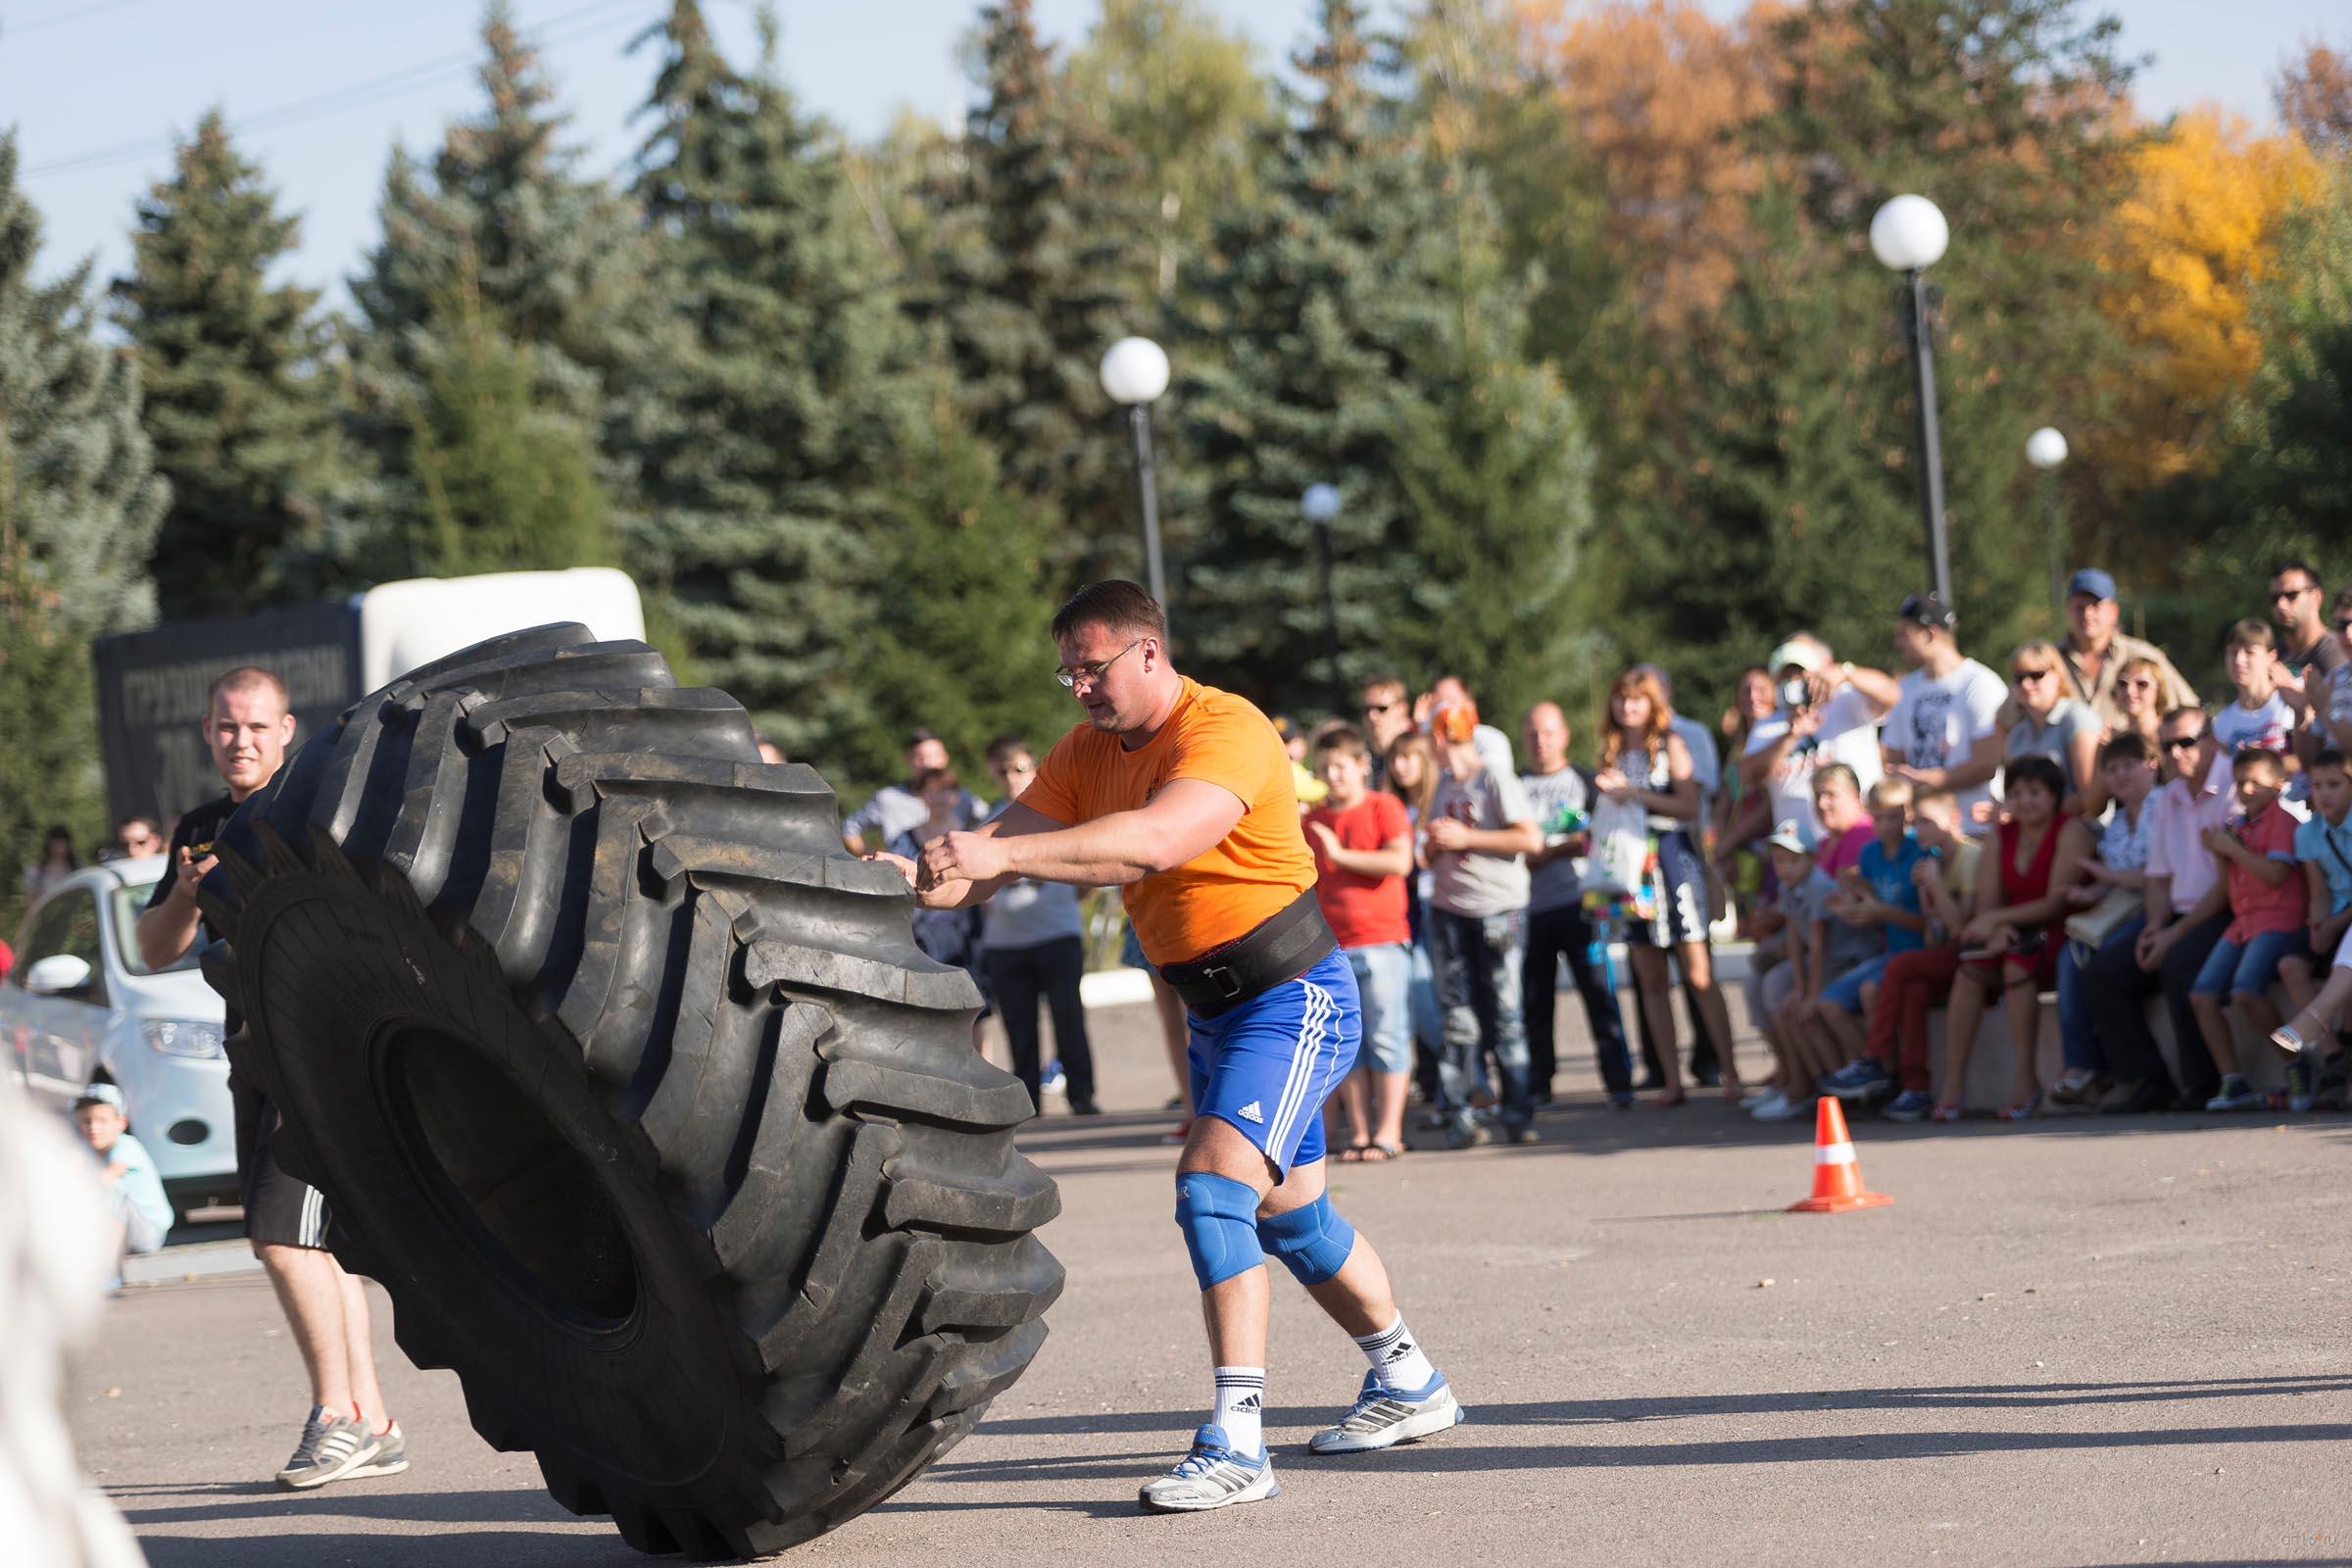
1319	1009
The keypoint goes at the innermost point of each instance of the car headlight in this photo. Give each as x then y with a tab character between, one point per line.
183	1036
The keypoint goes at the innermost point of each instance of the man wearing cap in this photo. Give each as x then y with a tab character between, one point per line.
2094	652
1944	730
1828	713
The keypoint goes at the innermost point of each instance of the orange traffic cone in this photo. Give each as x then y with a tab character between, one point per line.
1836	1179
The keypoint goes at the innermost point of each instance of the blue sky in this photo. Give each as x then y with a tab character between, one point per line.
330	86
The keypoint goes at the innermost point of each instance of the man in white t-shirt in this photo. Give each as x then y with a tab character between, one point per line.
1838	721
1944	731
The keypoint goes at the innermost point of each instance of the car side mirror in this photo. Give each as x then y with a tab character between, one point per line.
61	974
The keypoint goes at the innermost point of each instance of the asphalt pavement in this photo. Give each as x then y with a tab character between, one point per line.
2079	1341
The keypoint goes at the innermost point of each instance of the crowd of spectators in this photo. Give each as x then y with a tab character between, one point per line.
2075	830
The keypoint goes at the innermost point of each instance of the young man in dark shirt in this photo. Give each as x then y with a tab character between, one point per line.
247	727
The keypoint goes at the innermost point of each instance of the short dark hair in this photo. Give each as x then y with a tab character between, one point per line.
2034	769
935	775
2297	563
2128	747
2253	757
1117	604
2188	710
2326	756
1344	739
244	679
1005	748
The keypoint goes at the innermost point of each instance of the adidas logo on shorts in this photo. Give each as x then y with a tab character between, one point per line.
1252	1111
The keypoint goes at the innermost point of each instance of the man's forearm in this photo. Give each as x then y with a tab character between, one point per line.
2156	900
165	934
1757	766
1108	852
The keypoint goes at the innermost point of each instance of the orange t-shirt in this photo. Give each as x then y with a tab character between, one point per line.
1235	884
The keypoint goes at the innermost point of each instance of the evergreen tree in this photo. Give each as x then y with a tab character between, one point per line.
773	433
235	402
558	262
505	484
1037	264
1373	337
960	645
79	505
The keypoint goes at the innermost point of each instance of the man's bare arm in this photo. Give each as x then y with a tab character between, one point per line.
1187	818
167	932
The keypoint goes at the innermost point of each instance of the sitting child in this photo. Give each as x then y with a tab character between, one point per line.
2267	900
134	1193
1875	894
2324	845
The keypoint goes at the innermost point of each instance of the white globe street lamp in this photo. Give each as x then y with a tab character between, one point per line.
1134	372
1908	235
1321	503
2045	449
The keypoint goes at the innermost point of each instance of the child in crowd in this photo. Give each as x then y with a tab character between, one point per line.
1877	894
134	1192
1914	984
2266	906
1790	985
1363	851
2324	846
1846	825
2009	948
2262	715
2119	871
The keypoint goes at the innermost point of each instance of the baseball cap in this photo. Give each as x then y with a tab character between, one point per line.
1791	836
2092	581
1927	609
101	1094
1454	722
1796	651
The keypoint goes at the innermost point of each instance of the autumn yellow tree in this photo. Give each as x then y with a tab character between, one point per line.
2186	248
1663	96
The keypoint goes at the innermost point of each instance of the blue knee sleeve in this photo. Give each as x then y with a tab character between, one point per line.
1313	1242
1218	1217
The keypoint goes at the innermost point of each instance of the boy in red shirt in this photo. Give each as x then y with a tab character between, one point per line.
1363	851
2267	903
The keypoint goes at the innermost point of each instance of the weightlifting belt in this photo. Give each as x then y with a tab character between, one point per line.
1282	947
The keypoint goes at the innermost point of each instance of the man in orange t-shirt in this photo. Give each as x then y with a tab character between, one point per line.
1181	796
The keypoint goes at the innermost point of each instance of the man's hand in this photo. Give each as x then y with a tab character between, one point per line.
905	867
2153	946
1807	721
183	897
1448	835
962	857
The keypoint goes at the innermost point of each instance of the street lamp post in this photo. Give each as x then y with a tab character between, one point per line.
1321	503
1134	372
1908	235
2045	449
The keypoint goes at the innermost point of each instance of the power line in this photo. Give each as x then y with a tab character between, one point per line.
17	29
352	96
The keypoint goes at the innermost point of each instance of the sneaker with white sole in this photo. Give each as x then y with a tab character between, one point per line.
1384	1417
1757	1096
391	1456
1912	1104
332	1446
1865	1079
1784	1107
1211	1476
2236	1093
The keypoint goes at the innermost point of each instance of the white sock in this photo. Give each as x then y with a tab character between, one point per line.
1240	1407
1397	1359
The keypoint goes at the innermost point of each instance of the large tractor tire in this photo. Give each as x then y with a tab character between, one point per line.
633	1092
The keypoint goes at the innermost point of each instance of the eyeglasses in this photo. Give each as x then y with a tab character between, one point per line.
2021	677
2182	743
1093	673
2344	626
1003	769
1382	708
2280	596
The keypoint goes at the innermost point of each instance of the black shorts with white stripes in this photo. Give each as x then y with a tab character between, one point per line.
278	1209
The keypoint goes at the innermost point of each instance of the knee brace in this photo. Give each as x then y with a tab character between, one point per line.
1312	1242
1217	1215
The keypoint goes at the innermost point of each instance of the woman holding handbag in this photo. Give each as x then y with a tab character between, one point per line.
2108	909
1644	763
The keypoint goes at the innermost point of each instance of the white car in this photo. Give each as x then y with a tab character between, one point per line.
79	1008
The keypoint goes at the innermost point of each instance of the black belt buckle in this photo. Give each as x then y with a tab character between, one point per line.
1228	984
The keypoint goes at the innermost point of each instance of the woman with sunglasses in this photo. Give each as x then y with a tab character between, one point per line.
2050	723
2139	703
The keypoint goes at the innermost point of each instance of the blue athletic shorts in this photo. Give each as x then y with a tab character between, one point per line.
1267	1066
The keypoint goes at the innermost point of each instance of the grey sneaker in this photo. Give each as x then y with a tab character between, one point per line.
1912	1104
2236	1093
1384	1417
1468	1135
332	1446
1211	1476
391	1456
